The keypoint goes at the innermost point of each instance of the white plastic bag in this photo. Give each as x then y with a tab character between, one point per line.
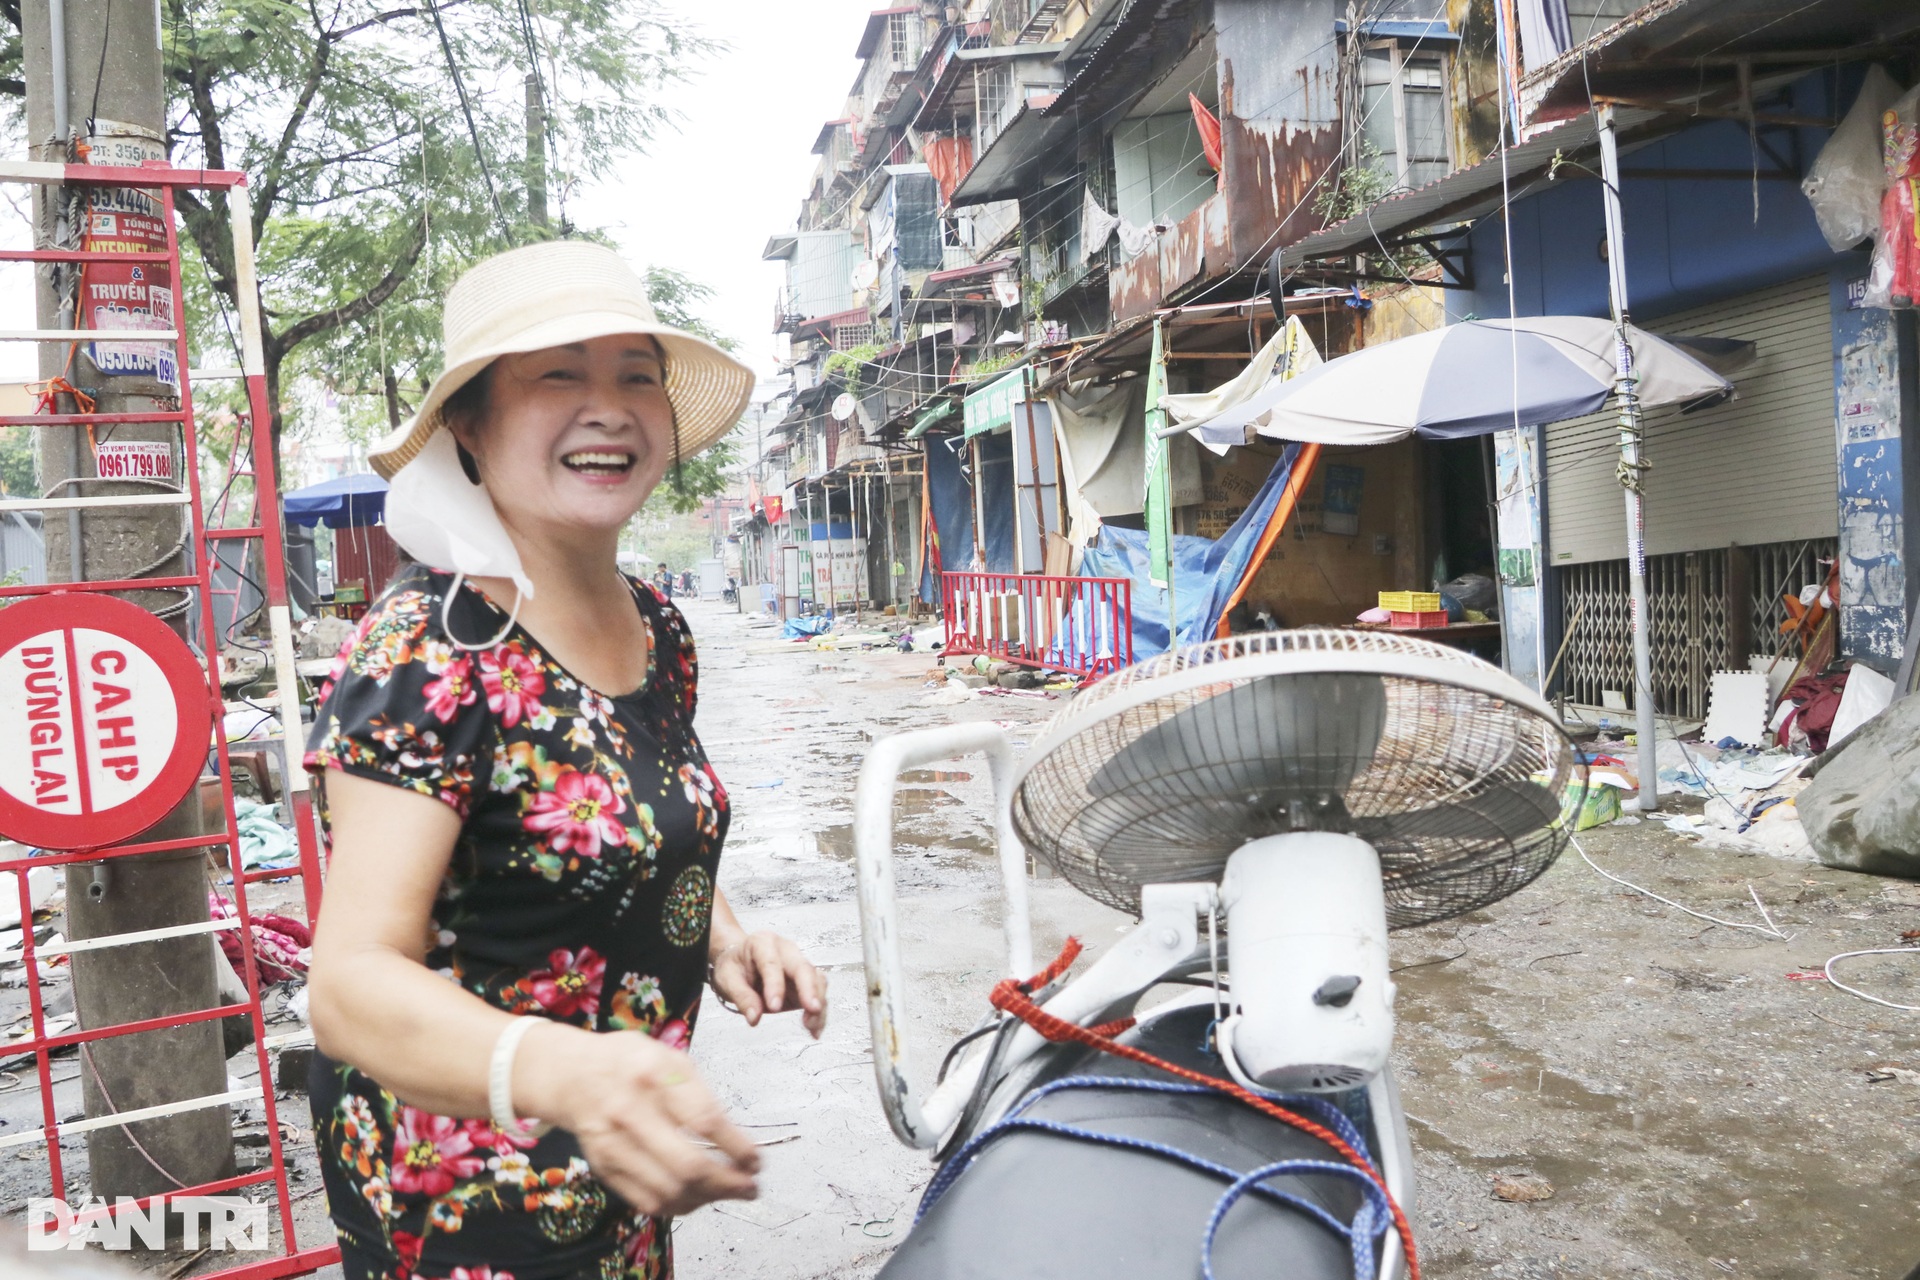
1849	175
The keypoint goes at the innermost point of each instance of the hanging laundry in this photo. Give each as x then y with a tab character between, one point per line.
948	160
1135	241
1096	226
1545	32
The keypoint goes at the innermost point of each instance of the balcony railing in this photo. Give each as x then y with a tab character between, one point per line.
1083	626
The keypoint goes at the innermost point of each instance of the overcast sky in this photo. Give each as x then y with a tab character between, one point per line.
705	200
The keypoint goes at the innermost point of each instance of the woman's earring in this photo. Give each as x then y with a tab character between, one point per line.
467	464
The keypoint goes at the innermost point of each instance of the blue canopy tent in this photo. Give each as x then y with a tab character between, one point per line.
343	502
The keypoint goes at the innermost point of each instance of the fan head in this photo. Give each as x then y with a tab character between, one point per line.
1455	772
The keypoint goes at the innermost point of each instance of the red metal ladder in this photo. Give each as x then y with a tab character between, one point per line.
289	1256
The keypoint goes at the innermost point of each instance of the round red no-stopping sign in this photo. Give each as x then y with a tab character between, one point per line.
105	720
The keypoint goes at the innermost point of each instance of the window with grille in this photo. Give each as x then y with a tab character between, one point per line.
903	39
851	335
1403	113
997	103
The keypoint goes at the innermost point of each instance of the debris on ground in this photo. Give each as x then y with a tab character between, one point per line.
1523	1188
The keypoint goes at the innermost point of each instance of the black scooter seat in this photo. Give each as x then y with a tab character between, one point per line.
1042	1206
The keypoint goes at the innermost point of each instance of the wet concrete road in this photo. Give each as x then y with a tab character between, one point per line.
1697	1112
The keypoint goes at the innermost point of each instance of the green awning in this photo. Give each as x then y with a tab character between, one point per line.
932	416
991	407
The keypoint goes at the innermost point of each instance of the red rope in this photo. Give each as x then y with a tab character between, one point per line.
1012	996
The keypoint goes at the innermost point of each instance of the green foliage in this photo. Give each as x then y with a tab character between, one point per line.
369	197
1360	186
676	299
700	477
850	366
993	363
17	474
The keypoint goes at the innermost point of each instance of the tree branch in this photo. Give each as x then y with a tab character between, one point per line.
268	191
366	303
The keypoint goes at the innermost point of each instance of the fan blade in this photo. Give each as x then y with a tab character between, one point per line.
1281	736
1505	812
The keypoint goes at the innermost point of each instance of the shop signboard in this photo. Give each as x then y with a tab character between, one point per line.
845	559
991	407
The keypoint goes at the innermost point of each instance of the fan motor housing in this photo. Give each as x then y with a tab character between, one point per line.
1307	949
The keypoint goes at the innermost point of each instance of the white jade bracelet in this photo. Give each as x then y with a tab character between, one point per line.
500	1081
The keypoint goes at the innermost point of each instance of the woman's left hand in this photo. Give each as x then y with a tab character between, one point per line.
764	973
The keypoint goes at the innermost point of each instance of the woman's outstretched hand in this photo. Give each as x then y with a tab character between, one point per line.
764	973
646	1123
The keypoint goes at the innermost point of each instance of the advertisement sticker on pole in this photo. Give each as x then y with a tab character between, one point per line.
105	721
136	295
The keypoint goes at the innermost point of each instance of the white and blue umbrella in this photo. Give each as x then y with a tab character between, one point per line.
1466	379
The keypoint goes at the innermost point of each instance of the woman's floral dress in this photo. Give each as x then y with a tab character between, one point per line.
580	889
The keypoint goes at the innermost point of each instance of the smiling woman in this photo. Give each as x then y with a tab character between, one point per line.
521	909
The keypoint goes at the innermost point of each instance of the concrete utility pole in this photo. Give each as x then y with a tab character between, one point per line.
94	73
536	175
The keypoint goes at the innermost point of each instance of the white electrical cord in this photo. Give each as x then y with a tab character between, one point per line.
1770	929
1855	991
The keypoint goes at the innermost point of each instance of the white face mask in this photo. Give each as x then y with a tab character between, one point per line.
444	520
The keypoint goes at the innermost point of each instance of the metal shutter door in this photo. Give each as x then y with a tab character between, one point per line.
1758	469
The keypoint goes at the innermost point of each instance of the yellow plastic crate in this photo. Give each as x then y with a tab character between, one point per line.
1410	601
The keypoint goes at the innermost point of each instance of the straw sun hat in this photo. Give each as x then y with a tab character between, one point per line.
551	294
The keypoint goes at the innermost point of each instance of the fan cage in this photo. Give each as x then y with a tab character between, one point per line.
1465	797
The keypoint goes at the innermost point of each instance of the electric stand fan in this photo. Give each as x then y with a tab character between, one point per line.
1269	807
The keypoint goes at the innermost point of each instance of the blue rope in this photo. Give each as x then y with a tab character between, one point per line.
1368	1221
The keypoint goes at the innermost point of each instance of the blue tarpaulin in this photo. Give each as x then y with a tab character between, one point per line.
800	628
952	496
996	502
952	500
338	503
1205	572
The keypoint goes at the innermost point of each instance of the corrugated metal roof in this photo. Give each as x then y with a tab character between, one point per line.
1692	48
1460	196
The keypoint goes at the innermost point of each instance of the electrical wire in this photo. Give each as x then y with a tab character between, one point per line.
466	109
1838	985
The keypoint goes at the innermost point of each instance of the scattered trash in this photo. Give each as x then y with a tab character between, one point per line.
1737	708
802	628
264	842
1899	1075
1521	1188
42	883
1867	694
1805	975
282	946
1599	806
